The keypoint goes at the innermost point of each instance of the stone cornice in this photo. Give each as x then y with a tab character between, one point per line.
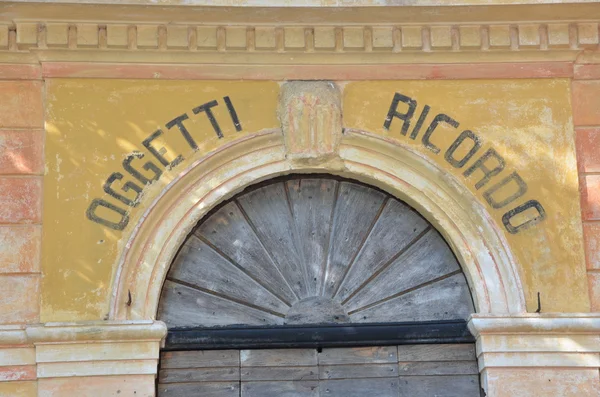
31	41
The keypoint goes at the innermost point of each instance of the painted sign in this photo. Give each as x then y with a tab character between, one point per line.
511	143
112	145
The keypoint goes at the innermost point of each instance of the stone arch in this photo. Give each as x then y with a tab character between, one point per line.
477	242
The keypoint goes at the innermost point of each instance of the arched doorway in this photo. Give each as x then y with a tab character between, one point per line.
363	289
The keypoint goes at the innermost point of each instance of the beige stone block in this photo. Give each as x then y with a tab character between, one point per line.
235	37
354	38
383	37
207	37
116	35
529	35
100	351
265	38
87	35
147	36
4	36
558	35
324	38
441	37
470	36
95	386
57	34
20	299
534	342
17	356
543	359
294	38
18	389
529	382
27	34
588	34
96	368
412	37
499	36
177	36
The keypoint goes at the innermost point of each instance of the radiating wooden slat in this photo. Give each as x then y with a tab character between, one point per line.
447	299
200	265
268	210
184	306
397	226
312	202
228	230
429	258
356	208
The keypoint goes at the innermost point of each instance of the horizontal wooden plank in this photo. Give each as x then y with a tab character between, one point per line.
305	388
280	373
439	368
359	355
204	389
381	387
278	357
447	386
358	371
437	352
200	359
199	375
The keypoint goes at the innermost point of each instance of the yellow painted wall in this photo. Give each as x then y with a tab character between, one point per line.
92	125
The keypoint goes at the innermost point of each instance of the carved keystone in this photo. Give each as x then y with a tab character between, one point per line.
311	120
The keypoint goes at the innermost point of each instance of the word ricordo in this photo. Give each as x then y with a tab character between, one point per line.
149	166
489	163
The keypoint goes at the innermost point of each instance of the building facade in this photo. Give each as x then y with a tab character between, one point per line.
318	198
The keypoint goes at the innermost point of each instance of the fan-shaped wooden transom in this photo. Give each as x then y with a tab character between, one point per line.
313	249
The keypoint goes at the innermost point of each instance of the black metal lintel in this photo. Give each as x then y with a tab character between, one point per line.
318	336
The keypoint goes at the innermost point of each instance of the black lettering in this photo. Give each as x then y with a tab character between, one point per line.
211	117
149	166
449	155
521	185
91	214
178	121
417	129
232	114
160	152
405	117
440	118
487	172
520	209
117	176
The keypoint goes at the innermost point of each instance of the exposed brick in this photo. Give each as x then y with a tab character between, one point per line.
22	105
19	71
20	249
20	199
586	102
594	286
21	152
589	186
20	302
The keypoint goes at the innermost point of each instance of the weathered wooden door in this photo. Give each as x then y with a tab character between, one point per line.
316	286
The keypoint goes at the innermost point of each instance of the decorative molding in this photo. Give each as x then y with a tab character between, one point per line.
311	119
537	340
24	36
